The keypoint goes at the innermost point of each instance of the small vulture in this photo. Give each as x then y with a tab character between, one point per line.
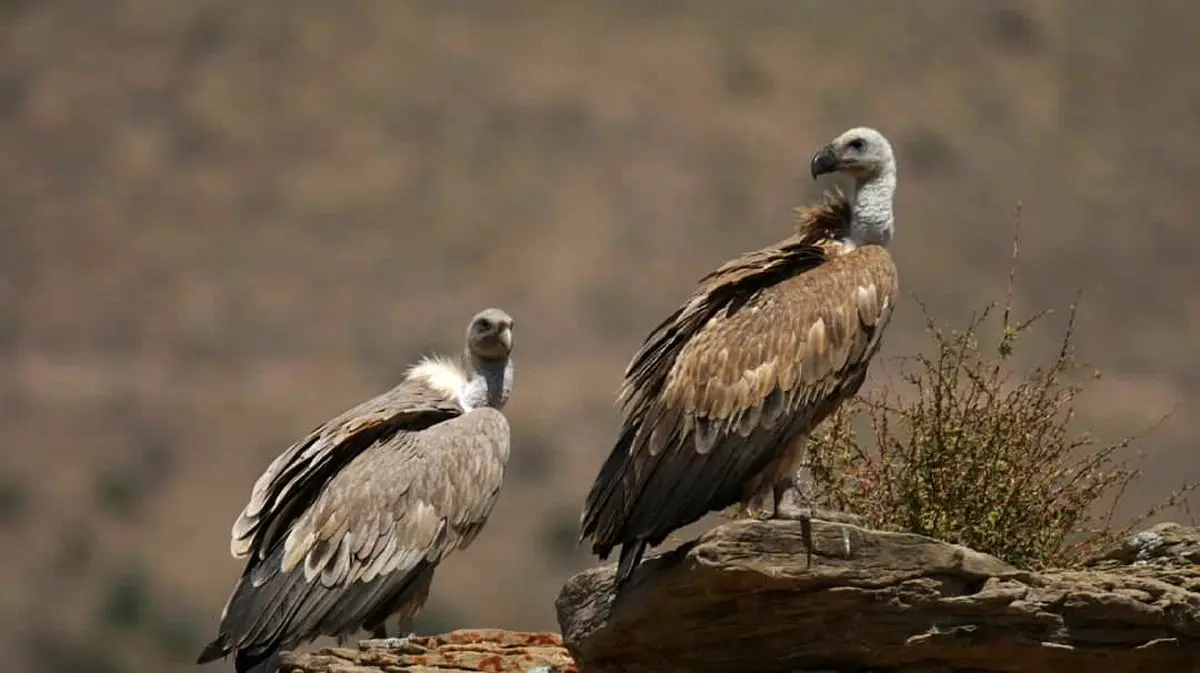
719	401
345	529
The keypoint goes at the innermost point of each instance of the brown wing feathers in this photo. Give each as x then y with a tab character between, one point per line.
726	379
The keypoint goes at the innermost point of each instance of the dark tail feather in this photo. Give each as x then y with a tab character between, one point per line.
214	650
258	662
243	662
631	556
607	486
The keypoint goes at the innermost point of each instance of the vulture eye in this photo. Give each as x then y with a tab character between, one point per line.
857	144
485	325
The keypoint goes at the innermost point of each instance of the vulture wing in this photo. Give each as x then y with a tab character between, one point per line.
369	543
292	481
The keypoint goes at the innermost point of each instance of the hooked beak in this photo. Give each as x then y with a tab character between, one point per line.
506	338
824	161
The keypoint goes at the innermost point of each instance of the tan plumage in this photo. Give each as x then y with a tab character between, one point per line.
719	401
345	529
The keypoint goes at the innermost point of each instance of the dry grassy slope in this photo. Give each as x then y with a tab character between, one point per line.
224	222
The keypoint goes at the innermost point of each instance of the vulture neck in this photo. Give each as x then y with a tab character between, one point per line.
488	382
873	218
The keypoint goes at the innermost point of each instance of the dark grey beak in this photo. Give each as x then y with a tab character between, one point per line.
824	161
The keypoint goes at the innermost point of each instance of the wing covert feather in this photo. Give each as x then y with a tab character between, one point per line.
792	337
413	497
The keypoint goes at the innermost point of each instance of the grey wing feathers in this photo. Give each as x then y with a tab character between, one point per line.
289	482
370	542
415	496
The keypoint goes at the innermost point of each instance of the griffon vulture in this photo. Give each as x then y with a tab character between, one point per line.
346	528
719	401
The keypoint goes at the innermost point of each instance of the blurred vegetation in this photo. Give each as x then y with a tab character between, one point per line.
130	618
437	617
76	551
131	606
127	600
62	653
560	535
532	456
14	498
981	453
120	491
124	486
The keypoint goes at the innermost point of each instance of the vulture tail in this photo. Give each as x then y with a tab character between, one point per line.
603	511
256	662
214	650
631	556
243	662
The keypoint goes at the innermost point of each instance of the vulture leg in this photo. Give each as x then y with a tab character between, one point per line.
800	506
791	502
760	506
789	508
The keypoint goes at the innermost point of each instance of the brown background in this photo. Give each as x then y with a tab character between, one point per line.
223	222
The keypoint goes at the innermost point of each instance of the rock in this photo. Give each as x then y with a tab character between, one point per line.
1167	544
743	598
491	650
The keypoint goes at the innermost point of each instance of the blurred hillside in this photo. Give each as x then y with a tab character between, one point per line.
224	222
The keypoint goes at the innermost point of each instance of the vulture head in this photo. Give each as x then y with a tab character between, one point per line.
490	334
862	153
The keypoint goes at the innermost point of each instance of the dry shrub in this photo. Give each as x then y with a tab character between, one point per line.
979	453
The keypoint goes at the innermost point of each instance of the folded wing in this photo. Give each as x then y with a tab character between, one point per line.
763	351
368	545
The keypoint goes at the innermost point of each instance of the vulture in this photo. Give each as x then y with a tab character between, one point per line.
718	403
345	529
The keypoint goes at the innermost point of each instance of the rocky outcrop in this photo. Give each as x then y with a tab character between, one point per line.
747	598
744	597
490	650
